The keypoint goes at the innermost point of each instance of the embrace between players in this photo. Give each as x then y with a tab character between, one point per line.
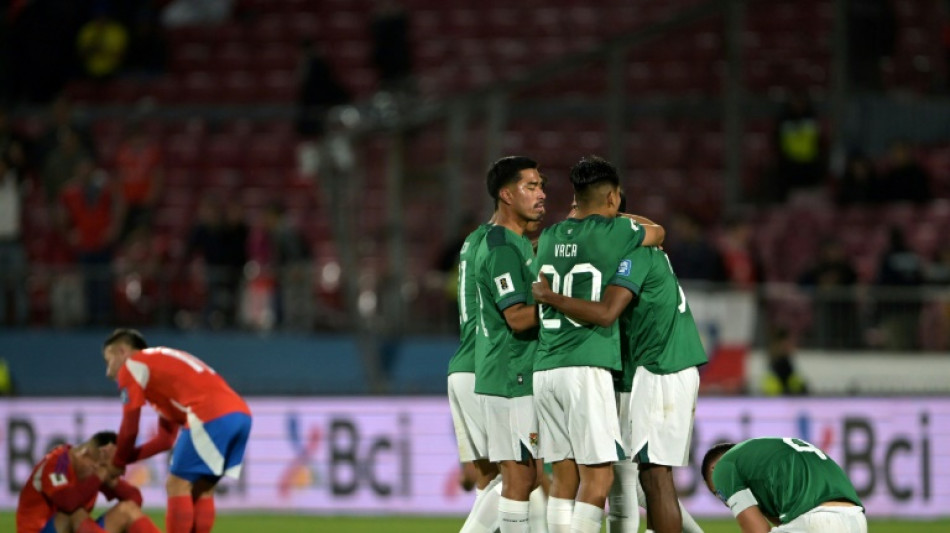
585	355
201	420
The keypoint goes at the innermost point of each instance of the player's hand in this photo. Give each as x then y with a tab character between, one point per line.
541	290
113	472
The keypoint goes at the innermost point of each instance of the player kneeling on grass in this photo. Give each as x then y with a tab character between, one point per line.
187	394
63	487
785	481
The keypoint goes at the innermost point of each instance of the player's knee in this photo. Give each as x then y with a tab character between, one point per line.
176	486
128	511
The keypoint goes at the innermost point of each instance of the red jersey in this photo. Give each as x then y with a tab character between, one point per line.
176	384
92	220
135	165
51	478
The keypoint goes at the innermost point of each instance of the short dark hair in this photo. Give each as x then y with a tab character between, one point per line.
132	337
714	453
506	171
104	438
590	171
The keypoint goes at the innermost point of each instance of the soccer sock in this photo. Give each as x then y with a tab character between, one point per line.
180	515
538	511
587	518
560	512
204	514
624	516
689	523
143	525
484	515
89	526
513	515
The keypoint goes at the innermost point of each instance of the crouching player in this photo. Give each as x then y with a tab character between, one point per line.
63	487
215	424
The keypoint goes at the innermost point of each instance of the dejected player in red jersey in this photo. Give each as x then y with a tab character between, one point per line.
62	490
187	394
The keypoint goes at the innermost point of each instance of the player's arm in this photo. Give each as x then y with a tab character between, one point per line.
163	440
653	233
752	520
603	313
128	432
121	490
521	317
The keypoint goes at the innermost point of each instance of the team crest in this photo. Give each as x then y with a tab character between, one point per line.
533	438
504	284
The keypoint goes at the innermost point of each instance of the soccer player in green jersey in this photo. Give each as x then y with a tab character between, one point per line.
785	481
507	332
573	387
659	382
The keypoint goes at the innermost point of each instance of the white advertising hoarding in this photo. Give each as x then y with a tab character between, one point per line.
397	455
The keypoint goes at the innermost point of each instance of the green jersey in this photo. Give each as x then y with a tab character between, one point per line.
464	358
503	358
785	477
657	330
579	258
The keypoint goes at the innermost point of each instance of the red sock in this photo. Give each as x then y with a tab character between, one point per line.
180	515
204	514
143	525
89	526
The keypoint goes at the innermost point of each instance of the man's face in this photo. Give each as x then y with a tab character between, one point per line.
527	196
708	478
115	356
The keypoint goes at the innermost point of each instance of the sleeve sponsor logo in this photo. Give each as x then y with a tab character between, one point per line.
504	284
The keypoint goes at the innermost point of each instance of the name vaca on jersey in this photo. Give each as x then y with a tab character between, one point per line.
565	250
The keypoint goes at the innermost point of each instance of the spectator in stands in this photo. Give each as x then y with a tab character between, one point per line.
831	281
138	166
938	271
391	53
178	13
13	146
872	36
93	212
102	43
447	264
220	239
62	163
319	90
860	183
935	319
781	378
693	255
288	257
138	268
905	179
898	311
801	161
13	263
742	264
62	117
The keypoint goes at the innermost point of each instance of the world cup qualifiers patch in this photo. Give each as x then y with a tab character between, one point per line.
504	284
124	396
624	268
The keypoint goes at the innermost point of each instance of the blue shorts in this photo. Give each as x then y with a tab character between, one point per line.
211	449
50	526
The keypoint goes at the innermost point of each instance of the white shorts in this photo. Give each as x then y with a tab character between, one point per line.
626	423
512	427
577	415
468	417
822	519
662	408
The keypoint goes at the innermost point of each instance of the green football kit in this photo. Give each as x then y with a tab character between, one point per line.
464	358
503	358
784	477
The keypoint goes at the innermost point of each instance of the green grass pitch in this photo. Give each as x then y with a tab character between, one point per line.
286	523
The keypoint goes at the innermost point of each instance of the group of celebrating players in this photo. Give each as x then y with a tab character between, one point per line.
582	354
201	420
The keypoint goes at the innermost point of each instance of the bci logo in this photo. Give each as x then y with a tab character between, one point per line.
346	455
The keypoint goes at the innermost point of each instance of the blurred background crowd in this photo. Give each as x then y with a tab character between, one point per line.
314	165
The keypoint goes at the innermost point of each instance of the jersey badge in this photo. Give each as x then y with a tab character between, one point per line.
504	284
624	268
124	396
